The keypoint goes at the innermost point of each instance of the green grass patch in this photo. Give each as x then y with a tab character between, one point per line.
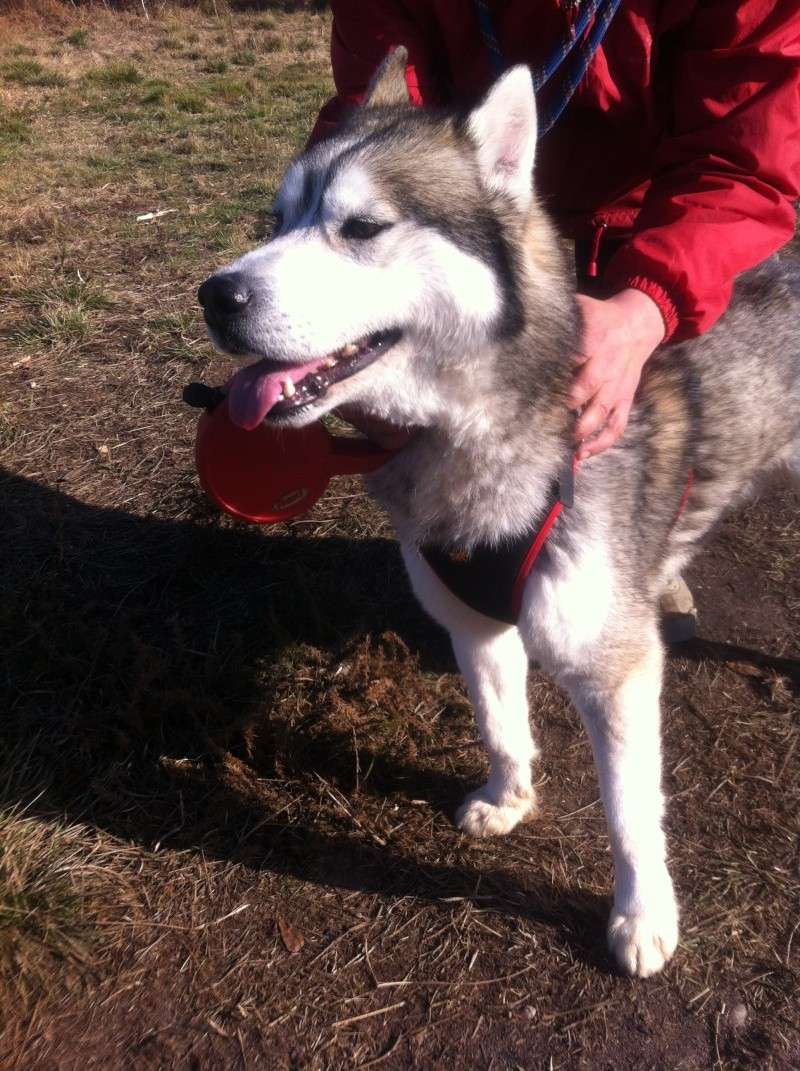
55	326
172	323
297	91
216	66
156	91
78	38
29	72
208	166
78	293
243	58
115	74
104	163
258	191
190	100
15	129
61	314
156	160
170	43
37	901
51	877
171	335
229	90
227	212
186	145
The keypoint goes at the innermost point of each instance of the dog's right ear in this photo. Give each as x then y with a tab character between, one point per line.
503	129
388	87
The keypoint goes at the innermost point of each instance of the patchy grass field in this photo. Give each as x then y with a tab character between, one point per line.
229	757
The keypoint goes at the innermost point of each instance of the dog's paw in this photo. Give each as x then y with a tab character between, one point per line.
480	816
642	944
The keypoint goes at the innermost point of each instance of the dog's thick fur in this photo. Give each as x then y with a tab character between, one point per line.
468	268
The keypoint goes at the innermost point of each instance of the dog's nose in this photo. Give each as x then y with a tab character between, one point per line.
224	295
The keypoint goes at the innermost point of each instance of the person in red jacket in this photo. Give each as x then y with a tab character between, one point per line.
674	166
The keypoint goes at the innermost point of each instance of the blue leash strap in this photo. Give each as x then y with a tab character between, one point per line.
579	46
486	24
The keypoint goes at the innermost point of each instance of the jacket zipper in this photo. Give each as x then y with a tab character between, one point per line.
599	231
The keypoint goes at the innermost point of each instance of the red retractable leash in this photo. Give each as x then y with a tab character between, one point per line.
269	475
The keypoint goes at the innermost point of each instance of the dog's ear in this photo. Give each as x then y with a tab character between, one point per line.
503	128
388	86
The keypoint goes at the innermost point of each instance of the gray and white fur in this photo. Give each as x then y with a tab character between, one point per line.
460	258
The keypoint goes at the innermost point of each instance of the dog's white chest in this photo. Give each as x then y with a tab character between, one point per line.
566	605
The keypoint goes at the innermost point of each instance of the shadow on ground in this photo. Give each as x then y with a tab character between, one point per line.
137	654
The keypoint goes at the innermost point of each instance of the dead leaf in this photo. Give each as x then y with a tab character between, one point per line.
746	669
293	940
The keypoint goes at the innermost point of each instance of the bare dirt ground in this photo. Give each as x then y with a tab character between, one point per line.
229	757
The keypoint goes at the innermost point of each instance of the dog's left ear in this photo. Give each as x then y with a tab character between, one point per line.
504	130
388	87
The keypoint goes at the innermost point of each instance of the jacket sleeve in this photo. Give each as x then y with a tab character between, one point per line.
361	36
727	173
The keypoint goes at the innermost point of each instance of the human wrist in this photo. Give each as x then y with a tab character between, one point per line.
643	315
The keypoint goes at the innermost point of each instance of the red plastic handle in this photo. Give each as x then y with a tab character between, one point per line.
269	475
351	457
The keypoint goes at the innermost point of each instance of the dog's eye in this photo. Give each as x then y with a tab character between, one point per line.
361	230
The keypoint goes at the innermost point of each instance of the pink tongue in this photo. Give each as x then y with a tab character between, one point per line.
254	390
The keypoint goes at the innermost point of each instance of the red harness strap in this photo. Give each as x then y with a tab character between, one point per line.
532	555
684	497
544	532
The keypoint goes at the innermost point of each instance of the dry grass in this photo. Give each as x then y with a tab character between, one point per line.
231	756
59	885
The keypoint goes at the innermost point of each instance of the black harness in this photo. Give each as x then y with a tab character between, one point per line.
491	579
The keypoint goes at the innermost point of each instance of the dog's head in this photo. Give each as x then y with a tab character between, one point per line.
395	260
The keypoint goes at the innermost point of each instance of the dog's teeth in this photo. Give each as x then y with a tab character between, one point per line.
330	363
350	350
288	389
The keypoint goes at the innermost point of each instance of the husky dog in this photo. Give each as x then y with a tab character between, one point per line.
413	276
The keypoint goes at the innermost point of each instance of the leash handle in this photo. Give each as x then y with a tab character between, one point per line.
346	457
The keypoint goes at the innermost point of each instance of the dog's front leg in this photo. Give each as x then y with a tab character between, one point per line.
621	714
493	661
495	668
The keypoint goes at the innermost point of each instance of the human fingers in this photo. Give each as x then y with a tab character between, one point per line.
610	434
594	416
585	385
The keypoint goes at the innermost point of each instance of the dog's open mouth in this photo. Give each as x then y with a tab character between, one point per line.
275	389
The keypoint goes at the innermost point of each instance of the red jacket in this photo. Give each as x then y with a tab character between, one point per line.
684	136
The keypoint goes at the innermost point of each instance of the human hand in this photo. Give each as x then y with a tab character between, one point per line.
619	335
